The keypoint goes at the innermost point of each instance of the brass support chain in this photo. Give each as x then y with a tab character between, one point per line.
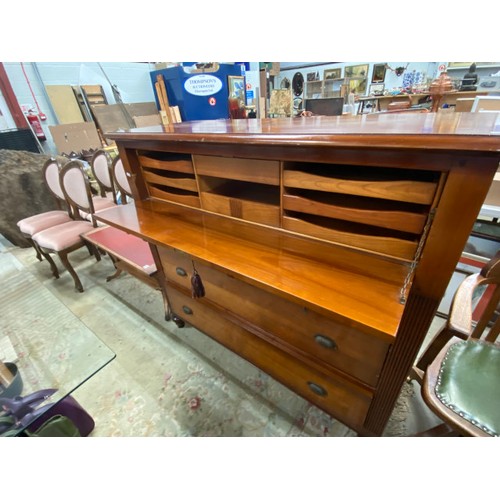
416	258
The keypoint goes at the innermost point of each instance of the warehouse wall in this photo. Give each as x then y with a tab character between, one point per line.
132	79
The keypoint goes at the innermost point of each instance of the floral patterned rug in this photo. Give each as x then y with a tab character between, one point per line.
170	381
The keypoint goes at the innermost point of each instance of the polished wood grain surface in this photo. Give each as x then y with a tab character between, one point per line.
396	190
260	171
183	166
460	131
336	395
372	304
363	211
315	339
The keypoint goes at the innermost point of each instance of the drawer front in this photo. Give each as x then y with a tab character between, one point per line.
243	169
170	163
183	197
344	233
363	213
356	353
411	191
338	397
176	181
242	209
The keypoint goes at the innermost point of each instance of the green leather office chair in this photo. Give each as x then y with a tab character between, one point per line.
461	385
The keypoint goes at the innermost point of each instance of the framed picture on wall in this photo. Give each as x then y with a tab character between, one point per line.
332	74
357	86
378	75
236	96
236	86
361	70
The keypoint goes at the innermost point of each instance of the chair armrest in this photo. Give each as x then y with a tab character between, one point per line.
460	319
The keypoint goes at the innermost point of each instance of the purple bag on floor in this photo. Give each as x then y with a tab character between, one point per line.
70	408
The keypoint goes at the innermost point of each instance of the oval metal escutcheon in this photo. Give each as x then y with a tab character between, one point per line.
317	389
181	272
325	342
187	310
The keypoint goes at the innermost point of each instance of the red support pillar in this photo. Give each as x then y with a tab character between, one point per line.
11	99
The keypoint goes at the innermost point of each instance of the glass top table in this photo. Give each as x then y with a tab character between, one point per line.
51	347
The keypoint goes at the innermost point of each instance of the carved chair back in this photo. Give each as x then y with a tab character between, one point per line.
121	179
50	172
76	188
101	168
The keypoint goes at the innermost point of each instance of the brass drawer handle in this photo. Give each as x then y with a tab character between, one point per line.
325	342
187	310
181	272
317	389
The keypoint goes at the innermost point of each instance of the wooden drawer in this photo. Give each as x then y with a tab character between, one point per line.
176	195
380	213
171	179
346	234
171	163
254	211
322	340
361	183
340	398
243	169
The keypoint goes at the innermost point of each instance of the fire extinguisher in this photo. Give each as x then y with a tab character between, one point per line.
34	121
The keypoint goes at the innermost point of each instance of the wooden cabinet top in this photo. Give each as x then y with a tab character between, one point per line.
478	132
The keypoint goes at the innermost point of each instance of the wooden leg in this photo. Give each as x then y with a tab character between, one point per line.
53	267
117	270
115	275
166	305
97	253
441	430
93	250
35	246
64	259
89	248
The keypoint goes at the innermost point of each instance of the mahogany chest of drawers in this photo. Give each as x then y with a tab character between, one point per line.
324	244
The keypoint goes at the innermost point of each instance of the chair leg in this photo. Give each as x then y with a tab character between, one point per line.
35	246
97	253
93	251
64	259
166	306
53	267
441	430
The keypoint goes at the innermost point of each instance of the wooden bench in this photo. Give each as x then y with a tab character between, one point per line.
128	253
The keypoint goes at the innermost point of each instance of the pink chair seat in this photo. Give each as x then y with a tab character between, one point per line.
62	236
39	222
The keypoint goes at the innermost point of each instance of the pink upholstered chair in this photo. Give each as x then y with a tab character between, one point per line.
101	168
120	179
66	238
100	201
36	223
